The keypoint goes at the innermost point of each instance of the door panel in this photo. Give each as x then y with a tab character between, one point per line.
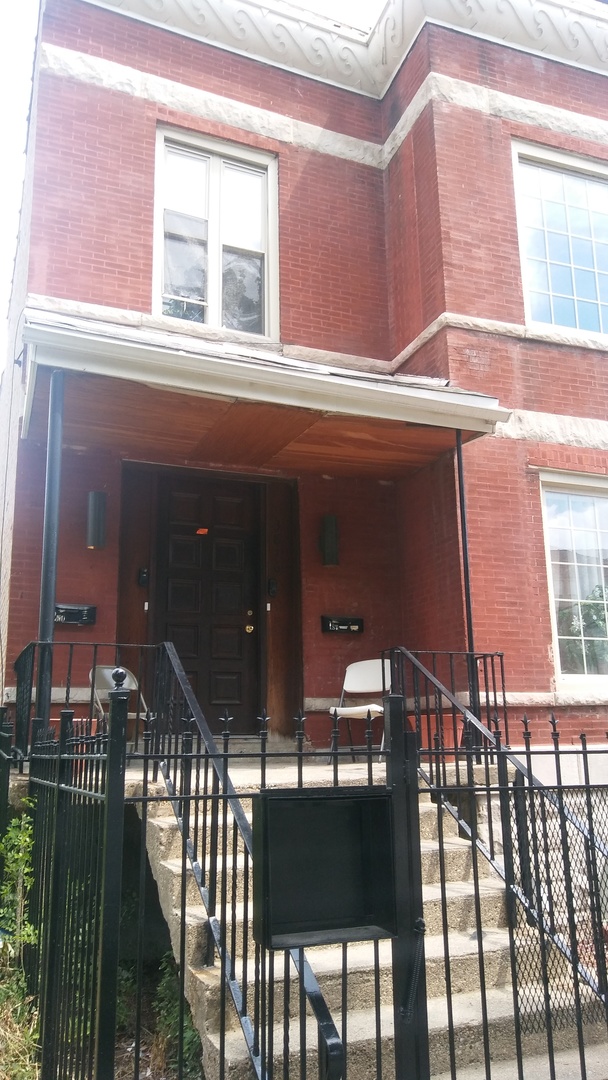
207	596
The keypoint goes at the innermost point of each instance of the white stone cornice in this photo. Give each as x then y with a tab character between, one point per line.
581	431
574	31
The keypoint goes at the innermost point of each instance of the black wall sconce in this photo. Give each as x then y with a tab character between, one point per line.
96	519
328	540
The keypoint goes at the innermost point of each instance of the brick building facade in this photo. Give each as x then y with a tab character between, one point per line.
281	264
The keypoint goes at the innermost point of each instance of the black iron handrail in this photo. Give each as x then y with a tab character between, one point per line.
332	1058
486	747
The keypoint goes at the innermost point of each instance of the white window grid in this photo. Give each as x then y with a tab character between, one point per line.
219	152
562	206
575	516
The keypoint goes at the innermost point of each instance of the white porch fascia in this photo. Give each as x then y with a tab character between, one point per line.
235	372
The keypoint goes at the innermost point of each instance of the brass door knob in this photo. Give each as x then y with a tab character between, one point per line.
249	629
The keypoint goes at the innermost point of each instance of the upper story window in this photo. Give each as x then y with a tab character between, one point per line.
563	227
576	530
216	246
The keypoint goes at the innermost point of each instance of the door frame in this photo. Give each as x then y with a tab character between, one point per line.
280	674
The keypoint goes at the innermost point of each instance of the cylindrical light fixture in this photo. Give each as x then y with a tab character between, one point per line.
96	519
328	541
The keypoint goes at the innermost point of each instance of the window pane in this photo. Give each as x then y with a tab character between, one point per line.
565	582
580	222
540	307
585	547
243	202
555	216
560	545
558	247
537	275
601	256
564	311
596	657
557	508
582	508
575	189
568	618
243	291
588	315
602	280
535	243
600	226
604	311
594	620
584	283
561	279
552	183
186	178
582	252
185	269
590	583
571	657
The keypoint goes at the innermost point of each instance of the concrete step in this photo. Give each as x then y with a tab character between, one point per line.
164	836
536	1066
468	1040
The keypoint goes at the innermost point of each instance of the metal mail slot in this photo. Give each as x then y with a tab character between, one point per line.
341	624
76	614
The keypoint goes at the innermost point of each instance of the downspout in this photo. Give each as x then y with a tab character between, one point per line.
50	539
473	674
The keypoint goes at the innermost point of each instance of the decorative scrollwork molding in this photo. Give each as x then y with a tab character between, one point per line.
575	31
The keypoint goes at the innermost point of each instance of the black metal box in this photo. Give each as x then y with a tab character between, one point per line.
76	614
323	868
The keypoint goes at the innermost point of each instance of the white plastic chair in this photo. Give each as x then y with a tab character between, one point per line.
362	679
100	679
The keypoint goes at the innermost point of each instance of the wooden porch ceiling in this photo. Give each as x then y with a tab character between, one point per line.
144	423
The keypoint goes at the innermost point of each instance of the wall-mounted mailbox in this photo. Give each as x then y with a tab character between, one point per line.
341	624
75	614
323	867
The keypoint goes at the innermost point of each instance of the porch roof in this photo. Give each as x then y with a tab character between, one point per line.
206	402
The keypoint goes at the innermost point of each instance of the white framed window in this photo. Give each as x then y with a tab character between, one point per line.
216	249
576	537
562	211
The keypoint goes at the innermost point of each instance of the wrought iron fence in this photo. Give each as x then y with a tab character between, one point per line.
506	893
537	974
77	856
76	675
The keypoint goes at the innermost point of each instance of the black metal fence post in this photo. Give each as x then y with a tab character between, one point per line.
109	929
51	953
6	741
409	980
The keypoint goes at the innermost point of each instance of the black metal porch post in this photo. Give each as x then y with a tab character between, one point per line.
50	538
473	674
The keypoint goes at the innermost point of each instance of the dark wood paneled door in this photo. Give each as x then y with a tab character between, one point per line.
207	591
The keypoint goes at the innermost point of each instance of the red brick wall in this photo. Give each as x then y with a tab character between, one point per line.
516	72
507	558
432	592
88	577
93	213
414	240
109	35
366	583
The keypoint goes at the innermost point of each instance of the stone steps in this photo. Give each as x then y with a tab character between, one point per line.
468	962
